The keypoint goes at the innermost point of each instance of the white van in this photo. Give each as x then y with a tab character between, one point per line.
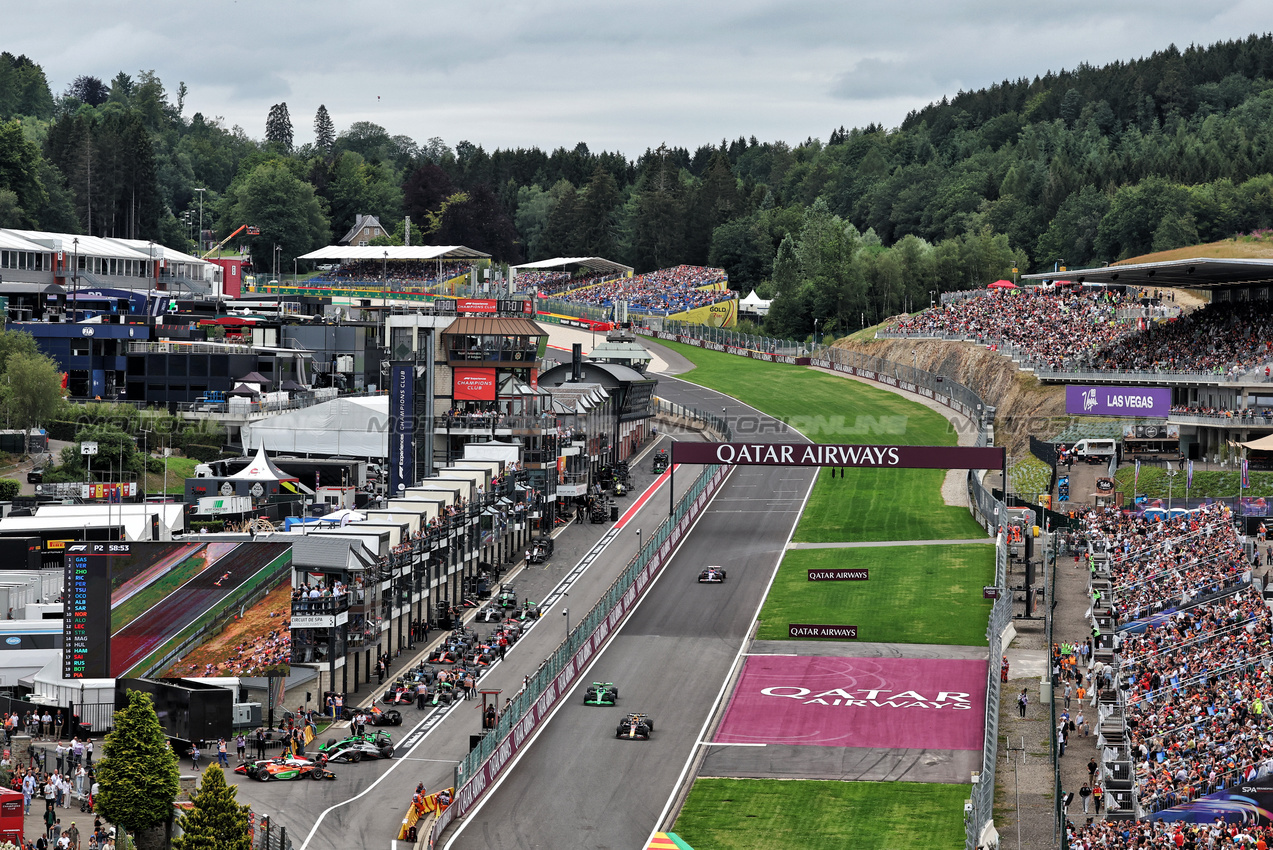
1095	450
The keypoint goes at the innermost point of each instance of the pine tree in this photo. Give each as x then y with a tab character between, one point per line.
138	771
217	821
278	126
324	129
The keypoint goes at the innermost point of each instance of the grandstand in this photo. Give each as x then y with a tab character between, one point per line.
1179	669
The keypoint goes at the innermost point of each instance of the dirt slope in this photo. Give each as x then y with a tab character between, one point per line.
1024	406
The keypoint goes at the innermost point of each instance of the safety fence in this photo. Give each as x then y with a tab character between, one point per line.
556	676
1058	793
801	358
268	835
692	416
978	819
733	339
989	511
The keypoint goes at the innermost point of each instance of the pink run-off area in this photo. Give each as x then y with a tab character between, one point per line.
895	703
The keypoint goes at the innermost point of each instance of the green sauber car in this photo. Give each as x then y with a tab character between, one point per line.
601	693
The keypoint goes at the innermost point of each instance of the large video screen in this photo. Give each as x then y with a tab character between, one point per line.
179	610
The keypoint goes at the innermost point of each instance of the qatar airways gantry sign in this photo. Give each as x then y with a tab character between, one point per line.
812	454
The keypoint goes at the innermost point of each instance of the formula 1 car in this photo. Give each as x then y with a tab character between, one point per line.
224	576
540	550
528	613
660	461
399	693
711	575
601	693
490	614
355	748
443	693
635	726
507	597
286	768
377	716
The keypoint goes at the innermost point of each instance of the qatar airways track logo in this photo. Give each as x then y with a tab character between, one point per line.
870	697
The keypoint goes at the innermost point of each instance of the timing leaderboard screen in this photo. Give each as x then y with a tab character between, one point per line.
177	610
86	617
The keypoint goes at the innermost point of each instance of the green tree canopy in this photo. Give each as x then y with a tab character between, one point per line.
217	821
31	387
282	205
137	771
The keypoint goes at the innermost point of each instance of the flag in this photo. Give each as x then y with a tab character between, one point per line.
1246	479
1189	477
1136	475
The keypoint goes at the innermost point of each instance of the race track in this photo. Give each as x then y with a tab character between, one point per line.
192	601
578	786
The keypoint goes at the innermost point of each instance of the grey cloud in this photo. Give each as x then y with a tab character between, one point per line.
625	77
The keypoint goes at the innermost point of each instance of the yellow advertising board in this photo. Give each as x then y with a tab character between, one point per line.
722	314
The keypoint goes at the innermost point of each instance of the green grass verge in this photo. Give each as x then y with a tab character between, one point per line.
772	814
915	594
179	469
881	505
1156	484
867	504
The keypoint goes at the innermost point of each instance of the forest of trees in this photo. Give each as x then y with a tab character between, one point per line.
1084	166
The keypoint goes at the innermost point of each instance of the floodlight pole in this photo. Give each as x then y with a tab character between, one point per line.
201	191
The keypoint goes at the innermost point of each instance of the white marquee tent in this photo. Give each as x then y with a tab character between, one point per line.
356	427
754	304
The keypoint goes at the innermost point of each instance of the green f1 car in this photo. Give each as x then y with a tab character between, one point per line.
601	693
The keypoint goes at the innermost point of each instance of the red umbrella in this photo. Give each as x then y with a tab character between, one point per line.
1003	284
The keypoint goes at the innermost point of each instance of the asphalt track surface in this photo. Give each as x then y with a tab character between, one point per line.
577	786
364	806
186	605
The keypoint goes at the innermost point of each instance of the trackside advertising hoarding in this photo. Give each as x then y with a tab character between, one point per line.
733	349
1118	401
475	786
800	454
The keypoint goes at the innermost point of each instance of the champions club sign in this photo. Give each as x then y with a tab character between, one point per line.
802	454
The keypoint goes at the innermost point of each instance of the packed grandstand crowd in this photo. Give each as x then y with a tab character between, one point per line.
665	291
400	272
1067	328
1192	670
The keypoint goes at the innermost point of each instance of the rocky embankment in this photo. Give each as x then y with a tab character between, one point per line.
1023	405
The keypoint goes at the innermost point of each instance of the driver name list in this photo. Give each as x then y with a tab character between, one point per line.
86	621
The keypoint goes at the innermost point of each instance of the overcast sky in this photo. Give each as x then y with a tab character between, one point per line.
618	76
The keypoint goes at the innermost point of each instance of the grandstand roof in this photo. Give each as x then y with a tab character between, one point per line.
395	252
600	264
493	326
1198	273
